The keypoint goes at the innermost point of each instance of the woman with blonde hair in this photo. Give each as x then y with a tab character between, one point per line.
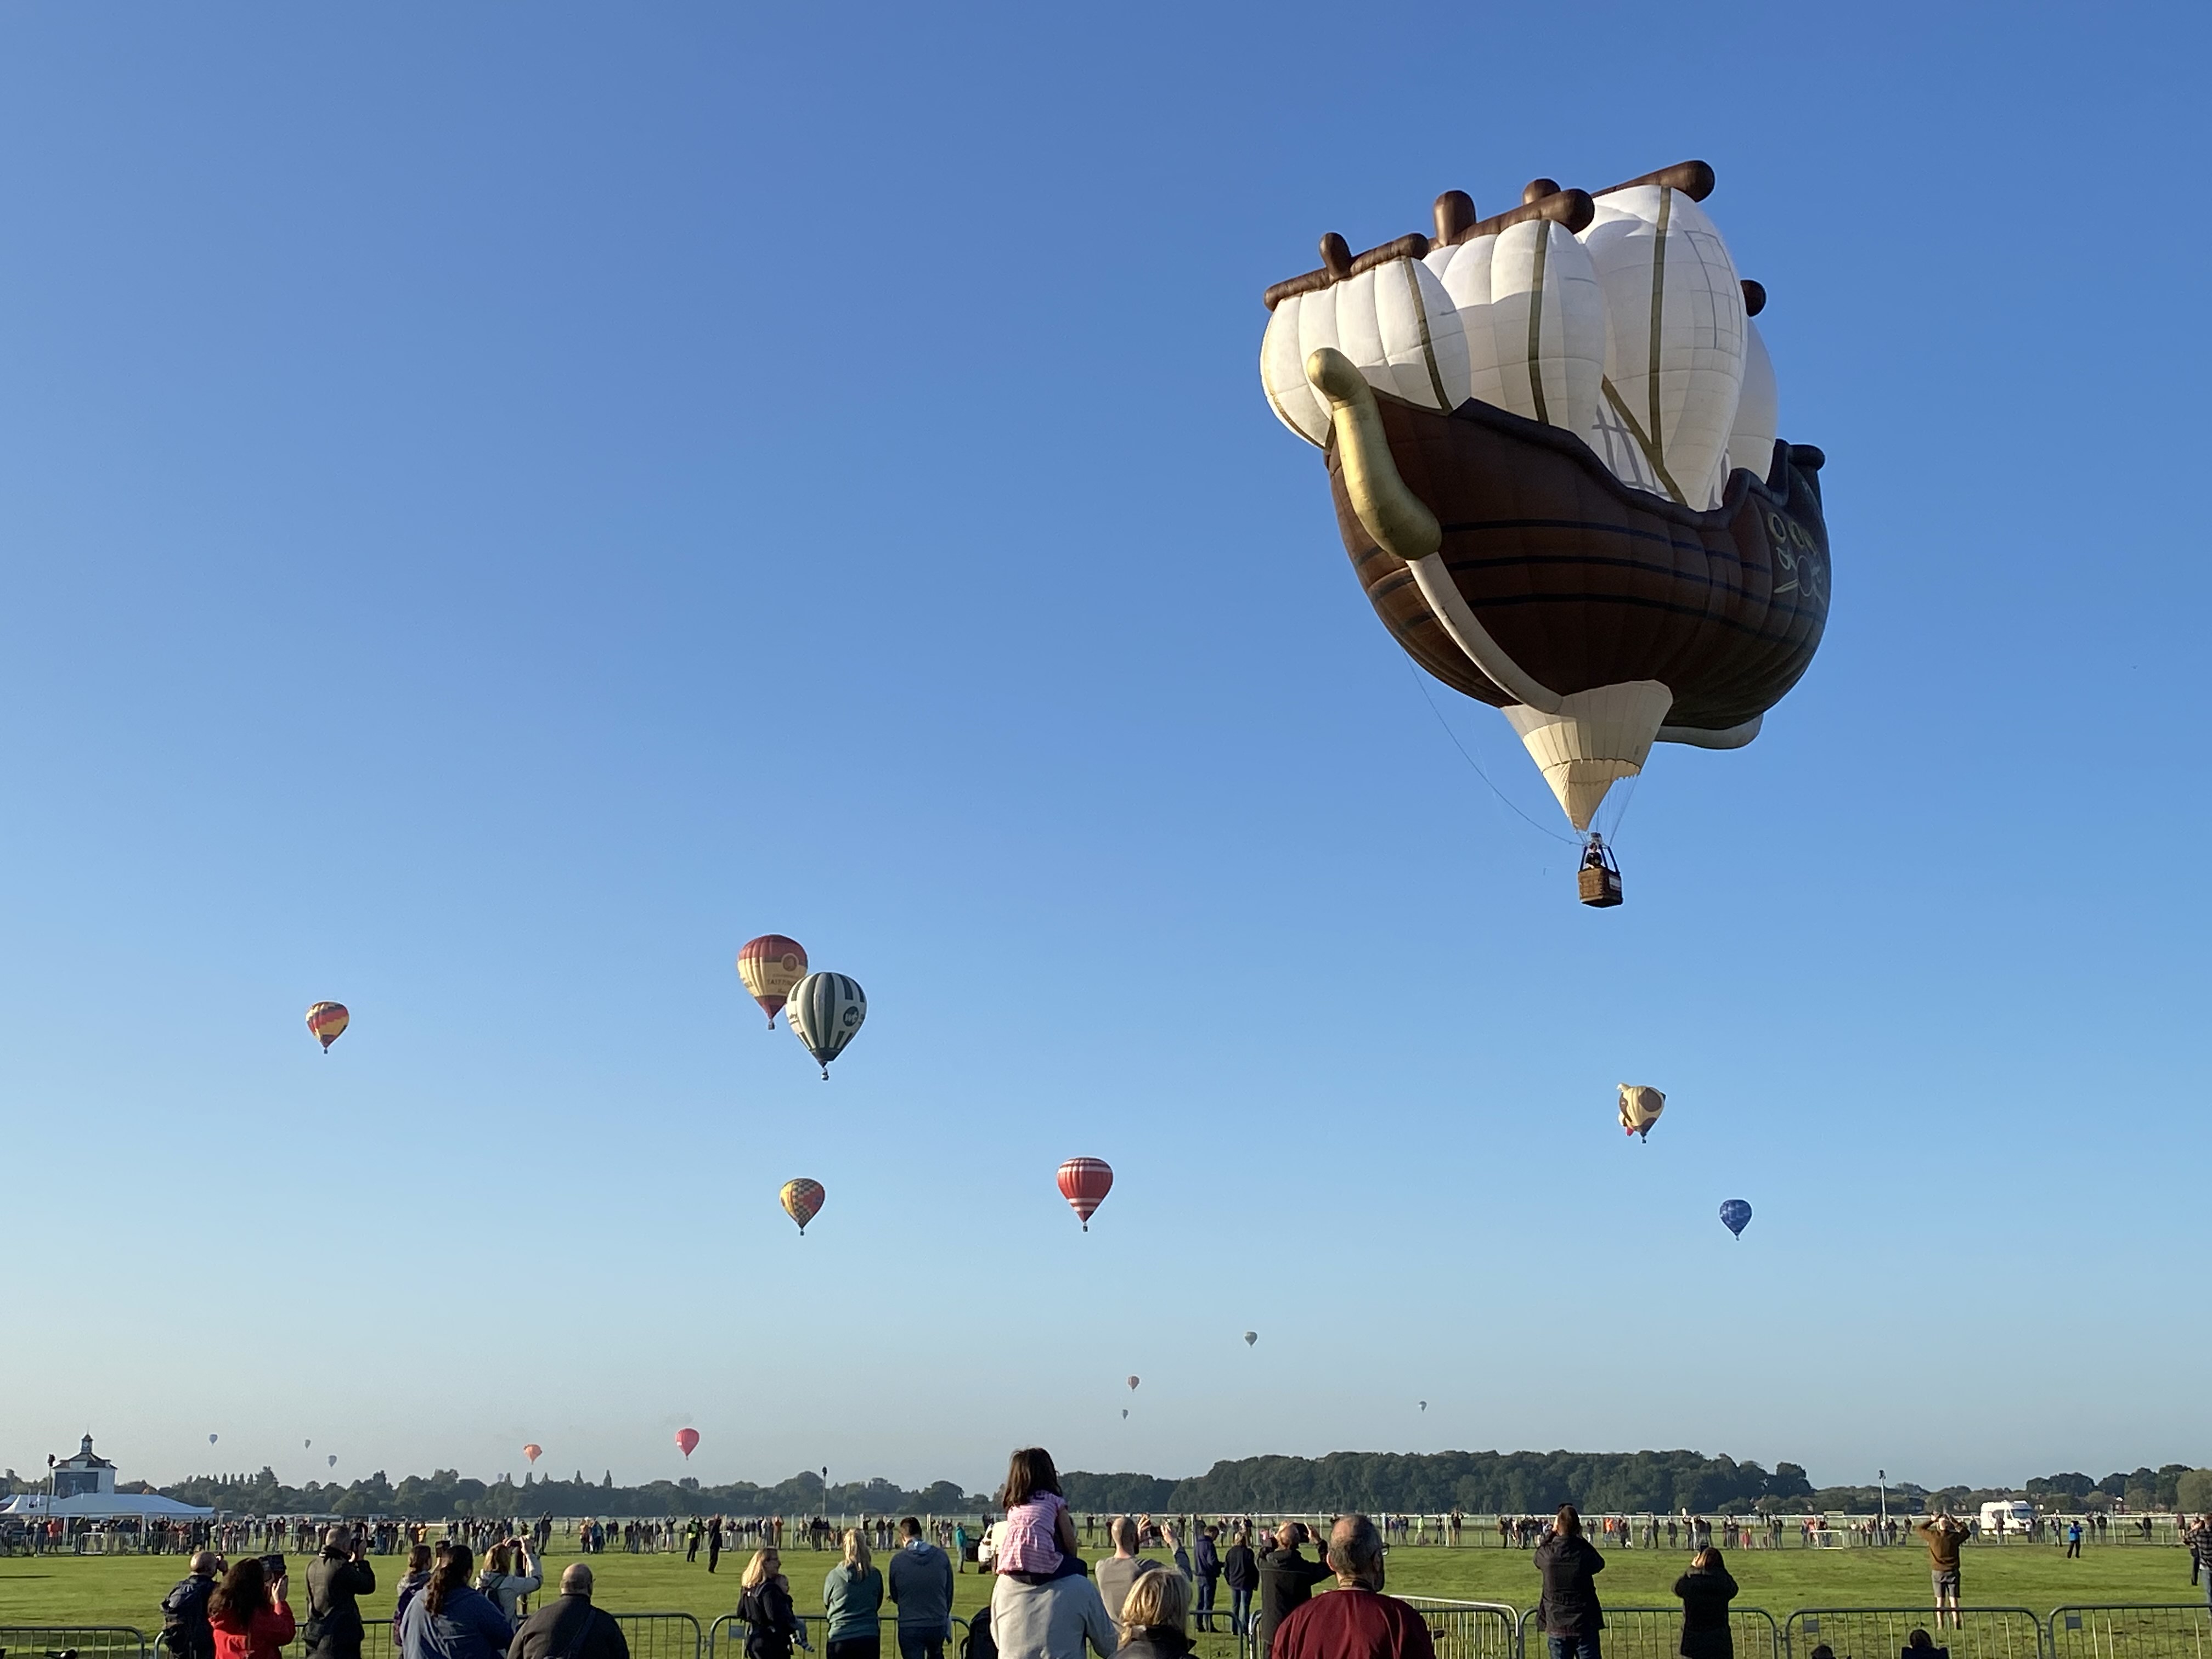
1706	1590
510	1573
852	1597
764	1604
1151	1617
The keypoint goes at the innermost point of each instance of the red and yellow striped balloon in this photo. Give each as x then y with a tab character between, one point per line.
769	966
326	1023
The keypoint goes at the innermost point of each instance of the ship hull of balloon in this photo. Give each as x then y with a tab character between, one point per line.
1586	582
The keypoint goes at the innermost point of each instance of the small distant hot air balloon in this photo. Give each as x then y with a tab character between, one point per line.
326	1023
210	1440
334	1460
1125	1413
802	1202
688	1439
826	1010
1085	1182
1250	1337
1133	1384
769	966
533	1451
306	1445
1640	1108
1736	1216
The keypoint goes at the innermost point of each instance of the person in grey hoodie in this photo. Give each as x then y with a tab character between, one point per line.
921	1580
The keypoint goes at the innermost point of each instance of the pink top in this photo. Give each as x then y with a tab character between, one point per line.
1026	1543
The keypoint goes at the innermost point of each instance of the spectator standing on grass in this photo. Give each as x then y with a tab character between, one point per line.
1050	1618
247	1614
1943	1536
1151	1619
764	1605
1569	1613
919	1578
715	1542
1705	1591
1241	1568
1286	1582
1206	1572
2074	1547
568	1627
852	1597
511	1573
185	1629
2200	1554
411	1584
336	1577
1357	1620
1119	1572
450	1618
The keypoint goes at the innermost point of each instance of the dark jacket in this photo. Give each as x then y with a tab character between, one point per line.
334	1579
569	1627
1570	1607
1240	1568
770	1625
920	1579
1206	1559
1705	1598
185	1629
1286	1582
1155	1642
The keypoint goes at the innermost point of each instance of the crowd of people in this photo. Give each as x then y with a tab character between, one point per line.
1047	1601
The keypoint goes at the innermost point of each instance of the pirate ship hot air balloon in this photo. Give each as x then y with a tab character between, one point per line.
1551	440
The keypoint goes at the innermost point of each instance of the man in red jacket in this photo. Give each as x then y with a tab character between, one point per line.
1357	1620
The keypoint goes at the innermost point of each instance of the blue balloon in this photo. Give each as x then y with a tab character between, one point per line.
1736	1216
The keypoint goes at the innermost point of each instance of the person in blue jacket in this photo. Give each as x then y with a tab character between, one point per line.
450	1618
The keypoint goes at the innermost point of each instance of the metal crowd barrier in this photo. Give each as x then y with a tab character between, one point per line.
726	1637
1657	1633
1982	1633
2171	1630
85	1641
1468	1630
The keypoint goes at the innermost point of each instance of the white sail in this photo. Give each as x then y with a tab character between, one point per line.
1283	372
1535	318
1757	411
1401	329
1657	256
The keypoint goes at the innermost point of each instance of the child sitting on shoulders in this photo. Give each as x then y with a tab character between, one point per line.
1036	1541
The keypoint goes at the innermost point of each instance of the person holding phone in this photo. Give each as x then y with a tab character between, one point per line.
248	1613
336	1578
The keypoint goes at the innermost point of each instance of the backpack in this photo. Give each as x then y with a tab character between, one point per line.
185	1627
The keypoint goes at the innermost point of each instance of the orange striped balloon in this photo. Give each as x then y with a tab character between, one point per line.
769	966
802	1202
326	1023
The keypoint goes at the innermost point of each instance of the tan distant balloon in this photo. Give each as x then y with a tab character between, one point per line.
1640	1108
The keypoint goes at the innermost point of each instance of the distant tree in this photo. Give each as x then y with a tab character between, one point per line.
2193	1490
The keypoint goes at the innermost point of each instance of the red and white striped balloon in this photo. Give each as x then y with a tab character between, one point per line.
1085	1182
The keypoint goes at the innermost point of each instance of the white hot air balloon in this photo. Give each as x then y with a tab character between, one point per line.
825	1012
1535	322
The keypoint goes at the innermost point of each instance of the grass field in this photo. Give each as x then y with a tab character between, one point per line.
127	1589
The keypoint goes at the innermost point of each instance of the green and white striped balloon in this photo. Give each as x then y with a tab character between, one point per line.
826	1010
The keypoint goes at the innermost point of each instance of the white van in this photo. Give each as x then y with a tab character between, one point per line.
2017	1514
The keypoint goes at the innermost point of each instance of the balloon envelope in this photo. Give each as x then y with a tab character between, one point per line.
334	1460
1085	1182
1250	1337
1736	1216
326	1022
1133	1382
1640	1108
210	1440
533	1451
826	1010
1125	1413
688	1439
769	966
802	1202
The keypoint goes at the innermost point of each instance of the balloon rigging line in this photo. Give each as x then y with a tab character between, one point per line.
1472	762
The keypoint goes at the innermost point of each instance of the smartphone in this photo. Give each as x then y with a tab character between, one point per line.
272	1567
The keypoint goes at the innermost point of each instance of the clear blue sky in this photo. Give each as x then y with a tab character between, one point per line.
498	506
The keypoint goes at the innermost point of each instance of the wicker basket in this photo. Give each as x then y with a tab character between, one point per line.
1600	887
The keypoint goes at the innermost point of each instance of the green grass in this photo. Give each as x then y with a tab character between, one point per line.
127	1589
